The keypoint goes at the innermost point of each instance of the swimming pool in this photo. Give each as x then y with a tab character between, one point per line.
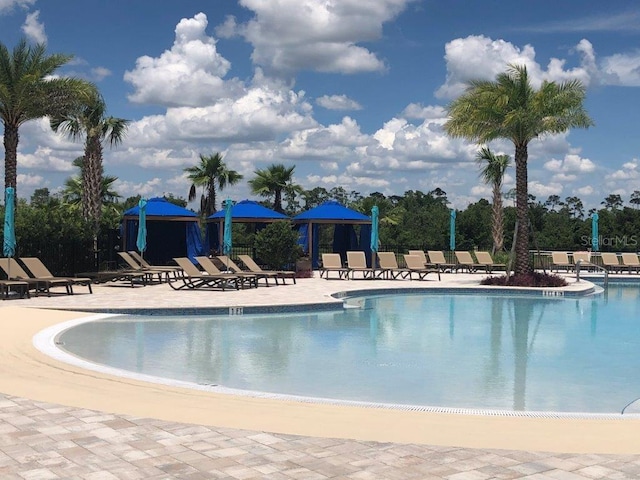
519	353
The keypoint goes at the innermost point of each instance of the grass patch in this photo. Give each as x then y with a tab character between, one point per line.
534	279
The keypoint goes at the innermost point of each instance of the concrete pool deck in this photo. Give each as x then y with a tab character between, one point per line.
56	416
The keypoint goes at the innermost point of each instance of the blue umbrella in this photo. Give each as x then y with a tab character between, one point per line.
141	241
9	243
374	234
595	244
227	242
452	230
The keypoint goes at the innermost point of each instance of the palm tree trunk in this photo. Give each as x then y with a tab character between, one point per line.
92	191
211	200
10	155
523	266
92	178
497	229
277	203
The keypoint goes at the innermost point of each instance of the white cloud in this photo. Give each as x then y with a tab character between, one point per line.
563	178
33	29
570	164
542	191
189	74
629	171
319	35
622	69
261	114
584	191
31	181
46	159
37	133
482	191
329	166
346	181
336	141
480	57
415	111
7	6
419	142
100	73
338	102
151	188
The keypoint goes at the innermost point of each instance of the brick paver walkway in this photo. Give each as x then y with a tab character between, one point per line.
40	441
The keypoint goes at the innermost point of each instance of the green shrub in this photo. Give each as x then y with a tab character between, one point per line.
535	279
277	245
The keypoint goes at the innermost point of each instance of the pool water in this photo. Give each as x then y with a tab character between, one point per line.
521	353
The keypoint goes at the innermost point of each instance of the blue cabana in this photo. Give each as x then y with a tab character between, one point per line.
344	234
172	231
246	211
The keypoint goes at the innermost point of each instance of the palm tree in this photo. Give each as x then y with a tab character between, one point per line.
28	90
211	172
493	168
73	191
273	180
511	108
89	121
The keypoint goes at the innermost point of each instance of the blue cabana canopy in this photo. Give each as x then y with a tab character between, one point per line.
245	211
332	212
249	211
344	236
172	231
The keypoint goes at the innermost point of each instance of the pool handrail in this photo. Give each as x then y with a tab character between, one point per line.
592	265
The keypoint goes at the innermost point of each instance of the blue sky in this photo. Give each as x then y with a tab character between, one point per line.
351	92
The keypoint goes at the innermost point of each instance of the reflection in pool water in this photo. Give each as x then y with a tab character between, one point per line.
466	351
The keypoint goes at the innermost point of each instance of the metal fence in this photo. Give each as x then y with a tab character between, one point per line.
71	255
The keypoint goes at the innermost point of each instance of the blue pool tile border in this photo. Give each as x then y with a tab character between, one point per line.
240	310
513	292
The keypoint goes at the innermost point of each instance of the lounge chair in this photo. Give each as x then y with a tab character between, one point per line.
149	272
225	262
251	264
192	278
611	262
39	270
357	262
423	256
389	266
245	279
104	276
630	261
332	262
419	253
560	260
466	261
14	271
584	258
437	258
484	258
415	265
19	286
230	266
144	264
